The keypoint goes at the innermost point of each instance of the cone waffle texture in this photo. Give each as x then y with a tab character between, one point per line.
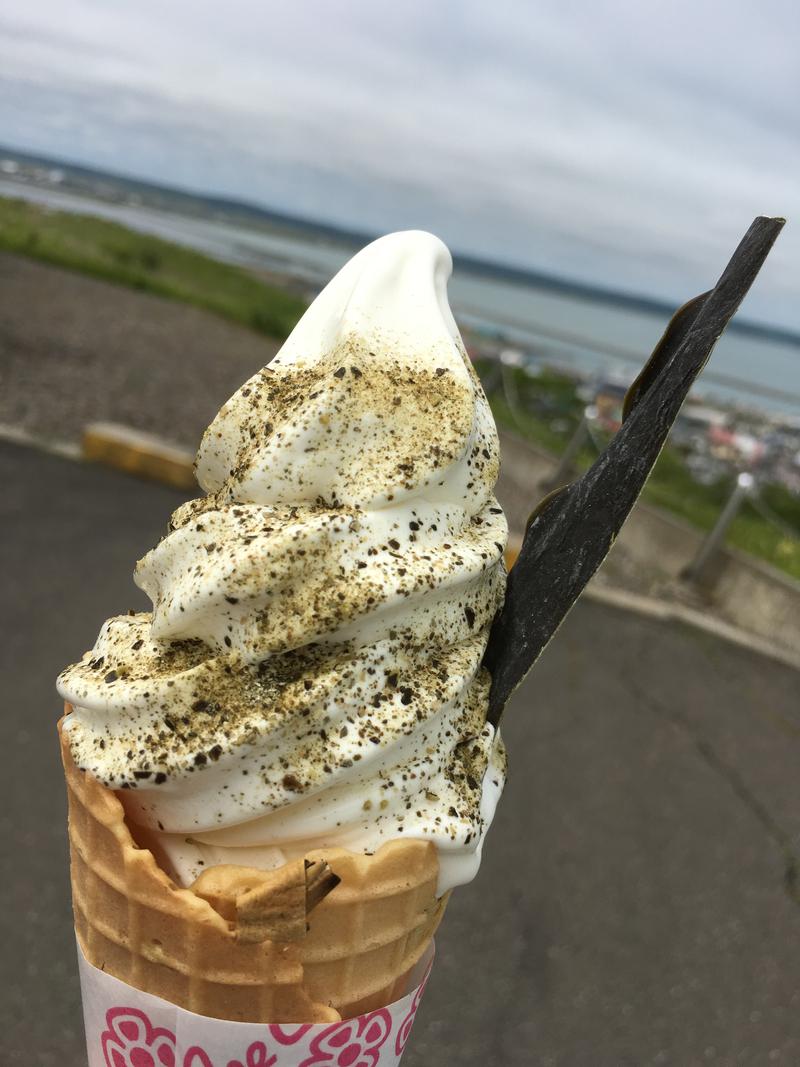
134	923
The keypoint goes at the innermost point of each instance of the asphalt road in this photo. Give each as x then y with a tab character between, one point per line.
638	902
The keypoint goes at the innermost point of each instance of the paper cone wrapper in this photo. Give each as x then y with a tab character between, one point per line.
128	1028
134	924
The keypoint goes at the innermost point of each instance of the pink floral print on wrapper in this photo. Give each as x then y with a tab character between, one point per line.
286	1034
196	1057
404	1032
131	1040
352	1043
257	1055
127	1037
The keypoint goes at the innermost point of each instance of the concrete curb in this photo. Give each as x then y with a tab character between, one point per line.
138	453
18	436
674	612
671	611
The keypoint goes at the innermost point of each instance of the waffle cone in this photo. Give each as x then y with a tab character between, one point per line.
134	923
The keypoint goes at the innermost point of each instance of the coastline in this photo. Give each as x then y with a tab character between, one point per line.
584	329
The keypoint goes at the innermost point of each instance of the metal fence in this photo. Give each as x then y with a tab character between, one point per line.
589	436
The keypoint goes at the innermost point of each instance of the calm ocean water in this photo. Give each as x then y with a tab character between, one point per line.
585	334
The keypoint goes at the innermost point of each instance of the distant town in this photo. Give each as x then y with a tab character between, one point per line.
716	439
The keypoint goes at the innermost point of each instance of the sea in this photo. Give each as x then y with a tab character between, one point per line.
585	335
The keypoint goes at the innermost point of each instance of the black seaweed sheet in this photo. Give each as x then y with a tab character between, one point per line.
573	529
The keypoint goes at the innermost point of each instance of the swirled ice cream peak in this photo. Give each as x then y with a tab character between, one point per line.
369	401
310	674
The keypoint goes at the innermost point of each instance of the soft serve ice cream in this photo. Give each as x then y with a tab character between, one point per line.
310	673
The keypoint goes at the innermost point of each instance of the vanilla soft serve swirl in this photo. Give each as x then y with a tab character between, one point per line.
310	674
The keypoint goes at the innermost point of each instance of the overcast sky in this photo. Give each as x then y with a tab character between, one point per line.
622	142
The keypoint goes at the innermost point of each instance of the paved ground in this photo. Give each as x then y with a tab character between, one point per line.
75	350
636	901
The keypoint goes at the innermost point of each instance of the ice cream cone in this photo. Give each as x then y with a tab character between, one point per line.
133	922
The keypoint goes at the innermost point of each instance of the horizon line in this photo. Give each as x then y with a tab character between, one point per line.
471	263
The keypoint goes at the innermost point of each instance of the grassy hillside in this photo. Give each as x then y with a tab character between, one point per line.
113	252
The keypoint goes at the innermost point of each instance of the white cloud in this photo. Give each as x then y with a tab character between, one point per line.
623	143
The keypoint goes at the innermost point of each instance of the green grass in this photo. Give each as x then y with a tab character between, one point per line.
672	487
533	427
546	411
107	250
